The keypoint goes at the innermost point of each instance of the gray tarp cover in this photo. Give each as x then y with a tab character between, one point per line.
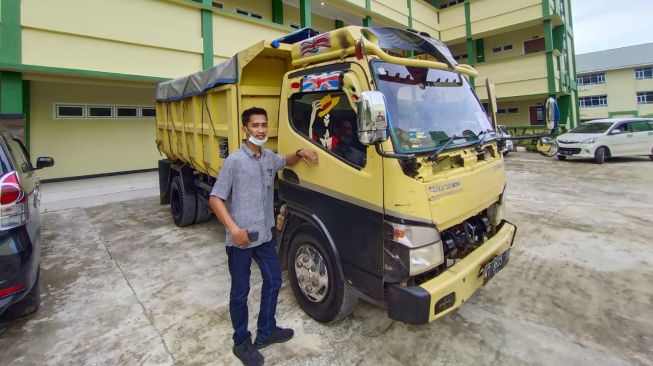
225	72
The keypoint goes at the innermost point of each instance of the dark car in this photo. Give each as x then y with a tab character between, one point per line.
20	228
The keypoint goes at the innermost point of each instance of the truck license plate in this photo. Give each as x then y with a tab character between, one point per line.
495	265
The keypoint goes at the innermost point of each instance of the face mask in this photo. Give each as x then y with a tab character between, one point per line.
256	141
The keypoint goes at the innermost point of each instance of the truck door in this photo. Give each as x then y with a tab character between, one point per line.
345	189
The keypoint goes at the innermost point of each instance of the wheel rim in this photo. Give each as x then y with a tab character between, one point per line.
312	274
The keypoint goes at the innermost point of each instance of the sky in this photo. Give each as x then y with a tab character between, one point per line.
605	24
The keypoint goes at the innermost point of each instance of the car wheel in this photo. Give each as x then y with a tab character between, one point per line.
599	155
29	304
316	282
506	153
561	157
182	203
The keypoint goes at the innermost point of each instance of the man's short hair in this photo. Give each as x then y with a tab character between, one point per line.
252	111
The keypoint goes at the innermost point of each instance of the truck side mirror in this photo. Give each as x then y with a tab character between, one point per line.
372	118
552	113
44	162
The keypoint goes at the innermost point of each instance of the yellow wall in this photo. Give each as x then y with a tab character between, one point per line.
514	77
141	32
515	38
90	146
621	87
225	45
452	23
488	16
425	18
517	119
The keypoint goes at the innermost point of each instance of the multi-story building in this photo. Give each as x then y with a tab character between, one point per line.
83	73
616	83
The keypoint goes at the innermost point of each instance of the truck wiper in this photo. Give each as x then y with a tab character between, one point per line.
437	152
480	142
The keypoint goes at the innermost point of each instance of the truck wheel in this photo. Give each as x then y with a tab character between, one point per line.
561	157
599	155
319	288
29	304
182	203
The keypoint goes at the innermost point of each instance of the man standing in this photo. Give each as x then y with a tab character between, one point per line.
245	184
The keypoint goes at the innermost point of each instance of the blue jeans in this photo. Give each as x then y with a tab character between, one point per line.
240	261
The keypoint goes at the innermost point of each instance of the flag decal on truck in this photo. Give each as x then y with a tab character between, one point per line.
320	82
312	45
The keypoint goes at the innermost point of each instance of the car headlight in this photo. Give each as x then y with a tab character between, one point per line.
589	141
412	249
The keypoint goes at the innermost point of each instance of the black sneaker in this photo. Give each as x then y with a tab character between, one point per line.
248	354
278	335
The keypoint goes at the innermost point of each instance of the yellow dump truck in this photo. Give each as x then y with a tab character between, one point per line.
404	208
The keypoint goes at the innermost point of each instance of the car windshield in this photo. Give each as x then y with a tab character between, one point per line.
595	127
429	108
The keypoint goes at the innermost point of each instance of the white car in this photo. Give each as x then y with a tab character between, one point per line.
505	146
606	138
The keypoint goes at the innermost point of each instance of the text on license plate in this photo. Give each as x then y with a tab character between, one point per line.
495	265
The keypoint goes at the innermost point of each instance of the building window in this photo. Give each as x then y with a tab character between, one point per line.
644	73
99	111
148	112
513	110
534	45
242	12
293	25
501	111
589	79
507	47
126	112
248	13
496	49
645	98
460	57
593	101
217	4
69	111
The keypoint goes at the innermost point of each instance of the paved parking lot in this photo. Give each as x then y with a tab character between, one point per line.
123	286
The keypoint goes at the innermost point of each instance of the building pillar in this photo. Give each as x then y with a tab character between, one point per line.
367	21
471	55
11	92
277	11
207	36
409	4
305	13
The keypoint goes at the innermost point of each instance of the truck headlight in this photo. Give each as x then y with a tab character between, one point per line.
425	258
416	248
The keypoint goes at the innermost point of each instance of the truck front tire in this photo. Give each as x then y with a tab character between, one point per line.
316	282
183	203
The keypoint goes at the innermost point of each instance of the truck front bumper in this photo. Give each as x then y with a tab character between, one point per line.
451	288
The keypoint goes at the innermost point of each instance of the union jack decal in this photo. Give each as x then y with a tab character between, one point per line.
312	45
320	82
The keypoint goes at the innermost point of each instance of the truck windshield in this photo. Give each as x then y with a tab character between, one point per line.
429	108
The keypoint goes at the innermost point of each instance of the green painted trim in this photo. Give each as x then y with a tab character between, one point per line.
409	4
435	3
338	24
546	9
368	4
305	13
471	54
480	50
78	72
11	92
550	70
27	112
207	38
10	35
468	18
277	11
612	114
367	21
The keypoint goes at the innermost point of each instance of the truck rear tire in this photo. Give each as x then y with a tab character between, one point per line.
182	203
29	304
316	282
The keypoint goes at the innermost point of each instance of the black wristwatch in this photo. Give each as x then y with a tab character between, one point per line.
297	152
